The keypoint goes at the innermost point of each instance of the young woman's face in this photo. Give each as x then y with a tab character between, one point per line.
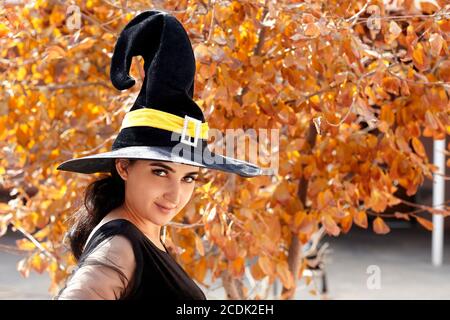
158	190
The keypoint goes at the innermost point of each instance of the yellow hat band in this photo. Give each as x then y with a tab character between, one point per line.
163	120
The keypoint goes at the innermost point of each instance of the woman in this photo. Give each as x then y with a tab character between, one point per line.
153	165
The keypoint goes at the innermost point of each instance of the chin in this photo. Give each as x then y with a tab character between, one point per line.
161	221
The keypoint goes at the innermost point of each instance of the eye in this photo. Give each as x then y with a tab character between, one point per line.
158	171
192	179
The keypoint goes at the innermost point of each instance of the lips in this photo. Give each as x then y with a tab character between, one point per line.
164	208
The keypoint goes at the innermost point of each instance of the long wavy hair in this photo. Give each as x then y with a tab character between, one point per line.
101	197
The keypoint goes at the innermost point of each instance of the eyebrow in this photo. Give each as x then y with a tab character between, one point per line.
169	168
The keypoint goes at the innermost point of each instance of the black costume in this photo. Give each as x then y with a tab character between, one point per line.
157	274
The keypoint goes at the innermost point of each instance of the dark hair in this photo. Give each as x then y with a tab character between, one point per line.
101	197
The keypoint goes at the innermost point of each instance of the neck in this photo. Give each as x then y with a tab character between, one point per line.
147	227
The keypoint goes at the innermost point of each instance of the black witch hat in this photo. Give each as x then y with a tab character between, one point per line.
164	123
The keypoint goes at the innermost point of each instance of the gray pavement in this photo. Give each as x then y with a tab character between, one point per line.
13	286
403	258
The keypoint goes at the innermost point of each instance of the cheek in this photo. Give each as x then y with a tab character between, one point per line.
141	190
149	193
187	195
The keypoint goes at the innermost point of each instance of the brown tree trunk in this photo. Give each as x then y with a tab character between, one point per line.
294	257
233	287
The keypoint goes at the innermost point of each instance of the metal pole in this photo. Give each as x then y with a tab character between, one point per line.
438	202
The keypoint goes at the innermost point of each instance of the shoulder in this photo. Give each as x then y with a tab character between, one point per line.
108	227
105	273
118	251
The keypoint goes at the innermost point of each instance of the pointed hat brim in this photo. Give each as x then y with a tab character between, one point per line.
103	162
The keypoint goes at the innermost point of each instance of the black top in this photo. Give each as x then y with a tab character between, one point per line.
157	274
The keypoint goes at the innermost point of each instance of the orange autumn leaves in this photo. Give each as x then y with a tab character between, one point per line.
266	266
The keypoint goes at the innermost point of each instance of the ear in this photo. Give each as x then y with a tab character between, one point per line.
122	168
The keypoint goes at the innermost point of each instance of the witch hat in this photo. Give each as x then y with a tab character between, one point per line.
164	123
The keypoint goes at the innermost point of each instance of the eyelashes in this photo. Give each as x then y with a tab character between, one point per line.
157	171
193	179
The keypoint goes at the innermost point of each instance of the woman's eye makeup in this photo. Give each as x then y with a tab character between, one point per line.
193	179
158	172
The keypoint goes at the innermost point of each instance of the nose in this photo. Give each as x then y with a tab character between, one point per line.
173	194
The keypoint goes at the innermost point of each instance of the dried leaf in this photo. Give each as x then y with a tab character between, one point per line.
387	114
330	225
324	199
418	147
380	227
420	58
360	219
237	267
307	225
266	265
257	272
202	54
392	85
425	223
394	30
38	262
55	52
312	30
4	30
428	6
430	120
378	201
437	42
83	45
285	274
282	192
231	249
